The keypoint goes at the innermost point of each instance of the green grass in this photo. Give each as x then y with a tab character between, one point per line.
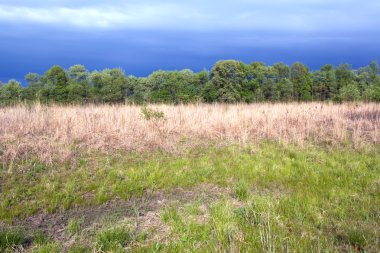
74	226
273	198
113	239
11	239
48	248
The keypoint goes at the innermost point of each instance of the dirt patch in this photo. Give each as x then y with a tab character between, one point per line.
144	212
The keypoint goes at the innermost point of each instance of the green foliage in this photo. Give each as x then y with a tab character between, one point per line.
227	78
78	73
229	81
40	238
109	85
78	249
350	92
77	92
151	114
10	92
241	190
54	88
48	248
372	92
10	239
325	84
301	79
285	198
73	226
113	239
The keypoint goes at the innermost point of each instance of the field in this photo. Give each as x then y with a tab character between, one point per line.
190	178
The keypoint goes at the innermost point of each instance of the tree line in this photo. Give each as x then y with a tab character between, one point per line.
229	81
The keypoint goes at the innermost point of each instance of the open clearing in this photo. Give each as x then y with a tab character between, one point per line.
204	178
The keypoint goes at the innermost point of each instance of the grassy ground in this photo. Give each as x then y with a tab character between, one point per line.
263	198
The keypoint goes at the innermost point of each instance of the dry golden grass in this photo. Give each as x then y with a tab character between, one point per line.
55	132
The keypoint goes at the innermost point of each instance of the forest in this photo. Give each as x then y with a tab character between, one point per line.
229	81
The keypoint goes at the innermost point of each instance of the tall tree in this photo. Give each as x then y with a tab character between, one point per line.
227	78
10	92
34	86
108	85
79	85
301	79
350	92
55	85
282	71
324	83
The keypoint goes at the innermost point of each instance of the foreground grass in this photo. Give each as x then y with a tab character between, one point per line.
270	197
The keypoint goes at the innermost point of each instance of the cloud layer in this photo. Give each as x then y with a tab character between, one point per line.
294	15
145	35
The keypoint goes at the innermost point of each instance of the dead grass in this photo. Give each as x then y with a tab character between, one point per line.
56	132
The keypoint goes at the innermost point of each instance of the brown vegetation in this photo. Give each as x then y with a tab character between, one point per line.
55	132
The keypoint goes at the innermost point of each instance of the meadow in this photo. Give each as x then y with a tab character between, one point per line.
283	177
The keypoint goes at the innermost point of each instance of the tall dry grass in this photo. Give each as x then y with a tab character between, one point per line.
55	132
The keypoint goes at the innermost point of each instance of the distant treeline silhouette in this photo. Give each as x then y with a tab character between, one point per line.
229	81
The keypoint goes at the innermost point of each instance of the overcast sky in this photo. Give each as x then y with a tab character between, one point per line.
142	36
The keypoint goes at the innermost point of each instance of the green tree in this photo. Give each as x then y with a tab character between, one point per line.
282	71
372	92
108	85
284	90
78	73
350	92
324	83
301	79
174	86
33	80
78	88
374	70
34	86
77	92
227	78
344	76
10	92
56	76
55	85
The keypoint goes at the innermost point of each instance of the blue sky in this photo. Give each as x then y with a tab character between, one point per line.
143	36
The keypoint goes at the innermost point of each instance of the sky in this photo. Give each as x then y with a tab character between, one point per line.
144	36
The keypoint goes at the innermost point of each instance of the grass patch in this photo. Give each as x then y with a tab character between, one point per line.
241	190
272	198
114	239
74	226
11	239
48	248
